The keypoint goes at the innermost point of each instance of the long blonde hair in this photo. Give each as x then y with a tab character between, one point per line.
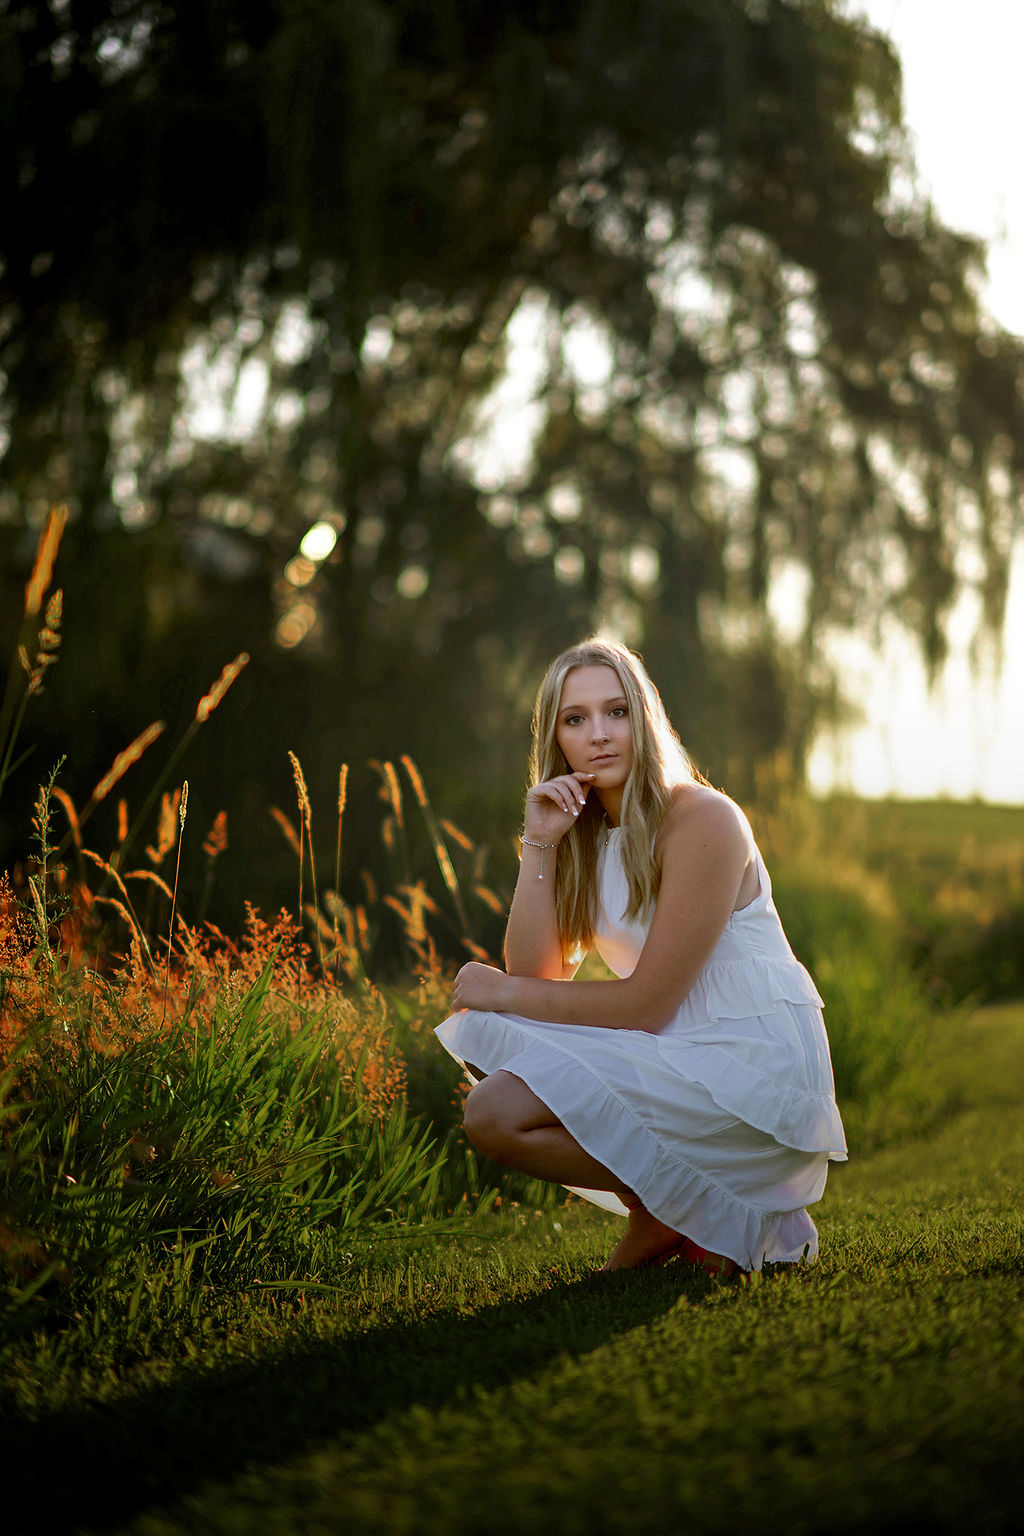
660	763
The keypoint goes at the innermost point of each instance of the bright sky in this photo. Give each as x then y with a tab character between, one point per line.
965	111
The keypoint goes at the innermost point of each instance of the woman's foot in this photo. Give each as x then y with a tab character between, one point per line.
648	1241
643	1242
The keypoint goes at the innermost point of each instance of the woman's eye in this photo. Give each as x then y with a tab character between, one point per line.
574	720
618	712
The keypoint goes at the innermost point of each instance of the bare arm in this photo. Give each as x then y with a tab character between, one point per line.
532	946
705	851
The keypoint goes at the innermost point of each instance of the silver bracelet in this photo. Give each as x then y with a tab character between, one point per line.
530	843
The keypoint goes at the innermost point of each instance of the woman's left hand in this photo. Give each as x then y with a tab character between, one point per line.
478	986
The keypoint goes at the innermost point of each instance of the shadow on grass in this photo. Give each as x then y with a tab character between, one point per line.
94	1467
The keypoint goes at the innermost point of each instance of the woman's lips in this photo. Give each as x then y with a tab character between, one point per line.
608	757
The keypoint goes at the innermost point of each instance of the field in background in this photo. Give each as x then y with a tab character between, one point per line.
953	874
922	830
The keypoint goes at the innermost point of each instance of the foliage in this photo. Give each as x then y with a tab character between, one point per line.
149	1174
755	352
956	877
494	1382
876	1012
180	1132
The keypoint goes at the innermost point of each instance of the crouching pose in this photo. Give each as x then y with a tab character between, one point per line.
695	1091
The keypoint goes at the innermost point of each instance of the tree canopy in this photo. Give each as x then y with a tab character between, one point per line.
403	341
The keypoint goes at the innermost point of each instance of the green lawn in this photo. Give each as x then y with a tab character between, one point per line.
922	828
491	1382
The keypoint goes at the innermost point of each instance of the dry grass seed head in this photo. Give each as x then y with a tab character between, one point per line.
123	911
419	789
394	790
477	951
456	834
108	870
65	800
124	760
46	554
290	834
47	642
167	828
55	613
490	899
154	879
305	808
208	703
217	837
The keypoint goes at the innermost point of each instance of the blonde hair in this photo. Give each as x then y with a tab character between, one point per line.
660	763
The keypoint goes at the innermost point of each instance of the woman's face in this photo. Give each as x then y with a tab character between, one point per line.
593	728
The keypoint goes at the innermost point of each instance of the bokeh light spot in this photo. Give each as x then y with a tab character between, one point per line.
319	541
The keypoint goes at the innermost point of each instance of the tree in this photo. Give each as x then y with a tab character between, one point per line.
754	350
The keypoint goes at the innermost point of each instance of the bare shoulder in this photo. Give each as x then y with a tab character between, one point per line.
700	815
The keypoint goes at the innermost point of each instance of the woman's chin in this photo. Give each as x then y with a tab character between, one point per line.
608	775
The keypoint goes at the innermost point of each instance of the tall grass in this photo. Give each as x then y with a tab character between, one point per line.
175	1134
145	1182
26	678
188	1117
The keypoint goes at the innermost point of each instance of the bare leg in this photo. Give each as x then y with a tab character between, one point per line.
508	1122
512	1126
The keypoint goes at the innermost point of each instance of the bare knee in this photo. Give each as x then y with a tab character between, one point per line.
501	1113
485	1125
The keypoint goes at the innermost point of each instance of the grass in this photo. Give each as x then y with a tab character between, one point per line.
888	830
146	1187
952	875
491	1382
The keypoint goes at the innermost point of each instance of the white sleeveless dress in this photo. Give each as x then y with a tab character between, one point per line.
724	1123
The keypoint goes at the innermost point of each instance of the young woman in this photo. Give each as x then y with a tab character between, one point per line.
695	1091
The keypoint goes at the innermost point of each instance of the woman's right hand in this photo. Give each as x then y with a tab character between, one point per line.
552	807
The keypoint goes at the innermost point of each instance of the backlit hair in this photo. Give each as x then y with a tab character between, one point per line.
660	763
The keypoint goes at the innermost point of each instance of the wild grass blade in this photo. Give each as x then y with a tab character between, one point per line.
204	709
306	826
342	797
440	849
182	813
19	676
